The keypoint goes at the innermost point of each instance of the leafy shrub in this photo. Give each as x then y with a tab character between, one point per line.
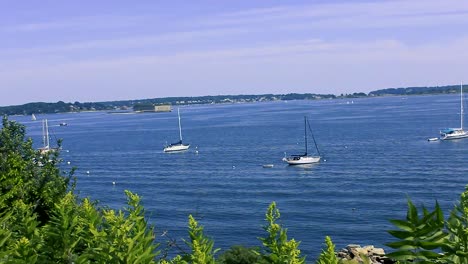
239	255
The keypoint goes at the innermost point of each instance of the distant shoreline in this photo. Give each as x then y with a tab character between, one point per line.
130	106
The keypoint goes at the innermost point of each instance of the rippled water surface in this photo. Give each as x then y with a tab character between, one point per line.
376	155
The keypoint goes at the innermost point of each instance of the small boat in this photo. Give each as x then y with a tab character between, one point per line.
178	146
433	139
455	133
33	117
268	165
63	124
304	158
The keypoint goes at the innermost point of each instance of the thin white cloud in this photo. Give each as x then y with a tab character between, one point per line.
77	23
133	42
365	12
334	52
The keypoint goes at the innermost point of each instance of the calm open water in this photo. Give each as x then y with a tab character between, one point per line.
375	149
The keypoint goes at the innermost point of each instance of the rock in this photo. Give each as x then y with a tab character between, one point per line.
358	254
369	248
378	251
350	246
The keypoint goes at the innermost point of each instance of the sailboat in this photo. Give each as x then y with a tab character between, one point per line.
178	146
455	133
304	158
33	117
45	138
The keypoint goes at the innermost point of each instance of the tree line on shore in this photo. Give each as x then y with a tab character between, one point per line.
43	220
62	107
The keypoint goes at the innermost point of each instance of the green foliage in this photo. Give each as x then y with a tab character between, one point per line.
42	221
277	247
64	232
239	255
116	237
328	255
430	238
418	236
28	175
456	245
201	246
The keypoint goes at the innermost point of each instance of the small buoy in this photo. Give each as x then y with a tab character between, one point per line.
233	166
68	162
87	172
67	150
196	151
113	183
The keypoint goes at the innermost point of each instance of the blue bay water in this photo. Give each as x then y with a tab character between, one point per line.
376	155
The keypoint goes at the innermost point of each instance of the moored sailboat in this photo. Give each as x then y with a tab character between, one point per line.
179	145
455	133
304	158
46	138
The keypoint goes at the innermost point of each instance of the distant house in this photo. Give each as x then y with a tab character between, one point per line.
162	108
149	107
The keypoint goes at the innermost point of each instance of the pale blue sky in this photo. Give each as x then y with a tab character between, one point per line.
117	50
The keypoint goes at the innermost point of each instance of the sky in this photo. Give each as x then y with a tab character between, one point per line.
107	50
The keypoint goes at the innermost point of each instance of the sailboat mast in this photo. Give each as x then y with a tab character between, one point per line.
180	127
305	134
43	133
461	105
47	134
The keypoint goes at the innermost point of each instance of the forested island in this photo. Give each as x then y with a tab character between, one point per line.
142	104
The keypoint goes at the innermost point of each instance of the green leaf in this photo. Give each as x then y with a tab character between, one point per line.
404	225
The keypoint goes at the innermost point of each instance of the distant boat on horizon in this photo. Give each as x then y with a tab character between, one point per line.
177	146
33	117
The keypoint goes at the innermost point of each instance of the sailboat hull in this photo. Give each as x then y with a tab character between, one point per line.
47	149
302	160
176	148
457	134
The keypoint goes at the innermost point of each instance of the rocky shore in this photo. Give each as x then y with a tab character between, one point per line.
367	254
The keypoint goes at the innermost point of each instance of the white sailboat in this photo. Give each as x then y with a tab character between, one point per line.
33	117
178	146
455	133
45	138
304	158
